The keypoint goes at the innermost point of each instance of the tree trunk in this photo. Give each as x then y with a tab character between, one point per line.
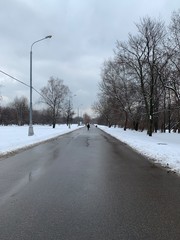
169	118
150	127
178	126
126	120
151	109
54	119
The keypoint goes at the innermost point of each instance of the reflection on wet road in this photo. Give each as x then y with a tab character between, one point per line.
86	185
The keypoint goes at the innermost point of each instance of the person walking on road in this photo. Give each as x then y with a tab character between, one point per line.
88	126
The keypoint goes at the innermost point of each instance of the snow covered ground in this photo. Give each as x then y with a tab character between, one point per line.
16	137
164	148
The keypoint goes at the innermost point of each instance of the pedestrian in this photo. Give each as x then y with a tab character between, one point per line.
88	126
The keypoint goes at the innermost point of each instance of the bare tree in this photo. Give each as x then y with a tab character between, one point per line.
21	107
68	111
142	55
86	118
104	109
174	47
112	86
54	95
142	81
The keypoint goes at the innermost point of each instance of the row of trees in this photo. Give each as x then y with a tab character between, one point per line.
140	85
57	98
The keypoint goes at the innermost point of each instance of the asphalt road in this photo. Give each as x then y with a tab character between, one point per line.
87	185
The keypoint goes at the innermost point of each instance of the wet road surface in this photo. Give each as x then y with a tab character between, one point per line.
87	185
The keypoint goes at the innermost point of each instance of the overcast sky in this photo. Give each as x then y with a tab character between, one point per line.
83	32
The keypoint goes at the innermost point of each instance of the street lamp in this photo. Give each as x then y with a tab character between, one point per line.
31	132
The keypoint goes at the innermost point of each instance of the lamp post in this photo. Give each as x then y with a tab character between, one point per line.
31	132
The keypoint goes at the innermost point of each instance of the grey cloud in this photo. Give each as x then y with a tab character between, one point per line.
84	34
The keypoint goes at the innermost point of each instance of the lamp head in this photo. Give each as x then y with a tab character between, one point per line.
49	36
